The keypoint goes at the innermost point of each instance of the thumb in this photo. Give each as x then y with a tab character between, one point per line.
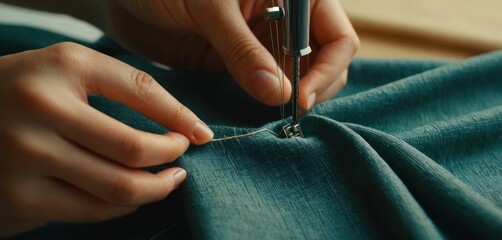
247	60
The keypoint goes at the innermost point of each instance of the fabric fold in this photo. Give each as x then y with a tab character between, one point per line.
393	190
435	94
437	189
409	149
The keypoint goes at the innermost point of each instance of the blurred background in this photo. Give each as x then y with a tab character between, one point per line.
52	22
430	29
444	29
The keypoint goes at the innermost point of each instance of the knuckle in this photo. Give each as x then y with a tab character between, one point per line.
67	54
240	51
133	150
36	96
144	84
179	116
125	191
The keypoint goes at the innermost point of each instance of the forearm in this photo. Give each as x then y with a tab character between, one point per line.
86	10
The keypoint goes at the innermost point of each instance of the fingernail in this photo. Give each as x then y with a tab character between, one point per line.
263	84
202	133
311	100
179	176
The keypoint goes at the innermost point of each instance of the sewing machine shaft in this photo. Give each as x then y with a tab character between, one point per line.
296	22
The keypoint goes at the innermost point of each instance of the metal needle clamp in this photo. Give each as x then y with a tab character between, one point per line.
296	22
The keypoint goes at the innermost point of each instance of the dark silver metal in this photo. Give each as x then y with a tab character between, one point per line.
296	27
296	24
292	130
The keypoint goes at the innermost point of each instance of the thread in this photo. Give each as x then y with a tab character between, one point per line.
278	64
276	52
165	230
245	135
160	233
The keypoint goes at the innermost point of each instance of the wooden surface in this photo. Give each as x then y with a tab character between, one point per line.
440	29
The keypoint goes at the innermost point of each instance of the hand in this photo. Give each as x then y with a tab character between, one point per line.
212	35
62	160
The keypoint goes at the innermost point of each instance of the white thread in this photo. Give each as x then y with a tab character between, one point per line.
160	233
282	77
278	63
166	230
244	135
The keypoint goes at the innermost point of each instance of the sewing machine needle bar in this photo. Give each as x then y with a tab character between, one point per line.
295	16
296	89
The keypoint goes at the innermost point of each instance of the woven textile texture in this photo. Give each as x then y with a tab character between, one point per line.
408	150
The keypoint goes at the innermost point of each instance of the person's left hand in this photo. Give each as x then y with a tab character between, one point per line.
212	35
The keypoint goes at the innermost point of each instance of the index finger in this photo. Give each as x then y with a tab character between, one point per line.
132	87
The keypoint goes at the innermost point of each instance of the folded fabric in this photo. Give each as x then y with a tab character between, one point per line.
409	149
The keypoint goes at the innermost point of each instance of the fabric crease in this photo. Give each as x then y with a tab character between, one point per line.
408	150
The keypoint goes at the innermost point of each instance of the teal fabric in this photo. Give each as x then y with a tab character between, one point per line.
408	150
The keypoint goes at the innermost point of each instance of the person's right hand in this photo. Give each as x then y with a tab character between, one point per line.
233	35
62	160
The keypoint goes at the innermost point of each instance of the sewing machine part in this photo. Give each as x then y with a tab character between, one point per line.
295	17
291	130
